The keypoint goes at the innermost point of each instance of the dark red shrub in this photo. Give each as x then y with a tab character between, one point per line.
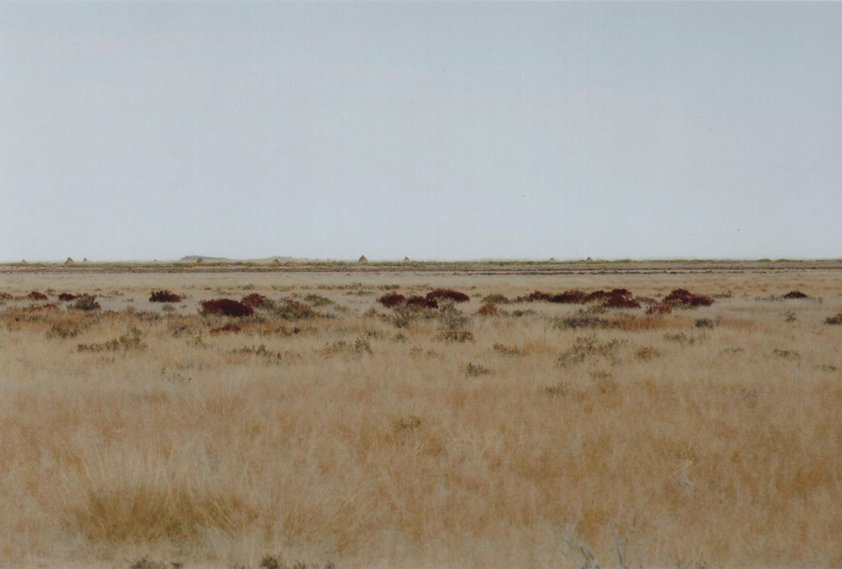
619	301
227	328
795	294
5	295
421	302
67	297
683	297
539	296
226	307
35	295
448	294
569	297
255	300
391	299
164	296
596	296
620	298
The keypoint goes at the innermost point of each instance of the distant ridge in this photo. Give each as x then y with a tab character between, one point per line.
206	259
194	258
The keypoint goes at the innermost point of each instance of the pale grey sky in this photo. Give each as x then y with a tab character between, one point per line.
140	130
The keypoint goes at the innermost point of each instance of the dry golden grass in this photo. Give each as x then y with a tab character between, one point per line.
134	435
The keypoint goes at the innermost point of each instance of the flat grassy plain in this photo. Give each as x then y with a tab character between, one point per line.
332	431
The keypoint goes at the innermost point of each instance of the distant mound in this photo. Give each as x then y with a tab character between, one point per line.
196	258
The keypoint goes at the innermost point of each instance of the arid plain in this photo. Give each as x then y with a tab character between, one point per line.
340	426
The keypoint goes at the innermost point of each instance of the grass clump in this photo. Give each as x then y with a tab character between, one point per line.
129	342
476	370
86	303
834	320
588	347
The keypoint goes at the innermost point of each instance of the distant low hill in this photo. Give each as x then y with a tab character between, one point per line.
194	258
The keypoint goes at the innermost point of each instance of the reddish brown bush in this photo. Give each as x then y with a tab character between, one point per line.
659	308
795	294
685	298
421	302
255	300
596	296
233	328
35	295
538	296
447	294
226	307
67	297
392	299
620	298
5	296
164	296
488	309
620	302
569	297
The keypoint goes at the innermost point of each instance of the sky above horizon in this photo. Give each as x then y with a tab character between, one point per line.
141	130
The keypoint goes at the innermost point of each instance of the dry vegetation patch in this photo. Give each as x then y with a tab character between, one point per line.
387	431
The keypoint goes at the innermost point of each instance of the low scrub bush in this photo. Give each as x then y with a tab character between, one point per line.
86	302
682	297
422	302
164	296
456	336
569	297
584	348
392	299
318	300
795	294
537	296
67	297
834	320
659	308
495	299
488	309
255	300
226	307
447	294
35	295
620	298
292	310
